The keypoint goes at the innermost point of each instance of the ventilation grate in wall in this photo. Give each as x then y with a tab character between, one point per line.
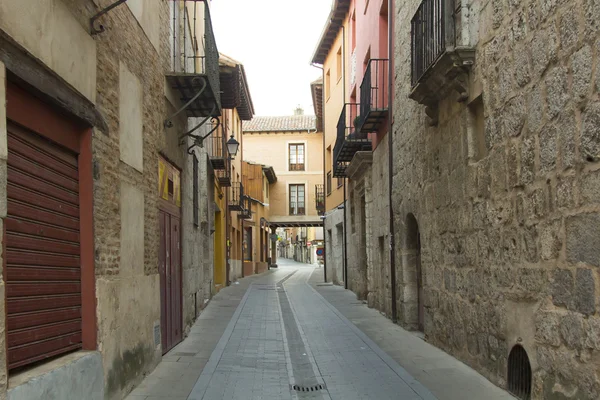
519	373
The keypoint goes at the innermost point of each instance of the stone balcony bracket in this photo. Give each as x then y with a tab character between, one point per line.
361	161
450	72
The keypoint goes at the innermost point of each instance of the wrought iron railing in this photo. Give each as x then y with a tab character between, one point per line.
374	95
246	211
216	146
349	138
320	199
432	31
236	200
193	46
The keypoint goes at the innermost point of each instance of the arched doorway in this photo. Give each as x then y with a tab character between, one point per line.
413	270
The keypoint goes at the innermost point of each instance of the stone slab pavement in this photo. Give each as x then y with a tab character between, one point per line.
282	336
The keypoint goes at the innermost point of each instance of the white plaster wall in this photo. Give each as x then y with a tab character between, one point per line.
132	230
49	31
147	12
130	119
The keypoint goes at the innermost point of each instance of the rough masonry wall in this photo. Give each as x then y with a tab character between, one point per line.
128	295
509	241
334	245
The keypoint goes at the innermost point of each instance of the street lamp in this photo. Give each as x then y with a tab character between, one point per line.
232	146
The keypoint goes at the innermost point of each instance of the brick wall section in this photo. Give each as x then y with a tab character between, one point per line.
127	359
509	242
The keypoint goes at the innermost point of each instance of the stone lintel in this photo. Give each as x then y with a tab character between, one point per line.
361	161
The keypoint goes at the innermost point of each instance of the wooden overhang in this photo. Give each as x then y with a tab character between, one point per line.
270	174
336	20
234	87
316	89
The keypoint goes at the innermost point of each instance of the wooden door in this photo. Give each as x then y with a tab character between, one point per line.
170	257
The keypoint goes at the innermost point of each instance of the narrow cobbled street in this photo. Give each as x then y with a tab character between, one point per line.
286	335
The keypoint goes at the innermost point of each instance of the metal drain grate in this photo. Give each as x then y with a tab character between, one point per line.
314	388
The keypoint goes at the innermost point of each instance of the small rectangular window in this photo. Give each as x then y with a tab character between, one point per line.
296	157
297	206
329	188
476	130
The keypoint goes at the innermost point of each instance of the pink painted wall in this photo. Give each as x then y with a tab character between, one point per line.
371	42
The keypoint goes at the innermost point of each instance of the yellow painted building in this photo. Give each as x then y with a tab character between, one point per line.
227	235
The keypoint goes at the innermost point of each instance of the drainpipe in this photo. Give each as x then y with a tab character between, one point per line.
391	155
345	178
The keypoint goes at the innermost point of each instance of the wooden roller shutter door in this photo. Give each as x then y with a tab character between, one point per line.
42	242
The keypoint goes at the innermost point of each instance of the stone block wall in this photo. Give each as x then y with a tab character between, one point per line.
334	245
509	232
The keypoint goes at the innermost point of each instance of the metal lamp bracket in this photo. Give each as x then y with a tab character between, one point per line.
199	139
100	29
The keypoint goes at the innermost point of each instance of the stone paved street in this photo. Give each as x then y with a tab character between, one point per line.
283	335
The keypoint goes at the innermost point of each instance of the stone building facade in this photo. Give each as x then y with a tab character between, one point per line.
496	205
110	89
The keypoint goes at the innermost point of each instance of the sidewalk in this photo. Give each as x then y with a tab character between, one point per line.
446	377
177	373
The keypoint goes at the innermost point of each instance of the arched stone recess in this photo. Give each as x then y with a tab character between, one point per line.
411	278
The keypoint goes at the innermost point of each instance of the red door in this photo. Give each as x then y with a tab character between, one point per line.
170	257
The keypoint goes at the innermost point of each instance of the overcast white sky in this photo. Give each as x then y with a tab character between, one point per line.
275	40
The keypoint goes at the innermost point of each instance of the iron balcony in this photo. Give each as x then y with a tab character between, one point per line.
374	91
349	139
194	71
236	200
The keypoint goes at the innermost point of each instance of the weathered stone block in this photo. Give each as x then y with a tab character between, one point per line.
550	239
569	28
529	243
548	149
557	90
534	281
562	288
536	204
565	188
547	325
512	164
514	117
582	233
590	188
585	291
581	65
571	330
543	49
522	67
535	109
592	327
527	160
567	128
590	133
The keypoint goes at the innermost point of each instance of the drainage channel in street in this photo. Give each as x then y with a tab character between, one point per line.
306	383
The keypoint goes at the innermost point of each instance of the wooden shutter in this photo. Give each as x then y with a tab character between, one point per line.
42	242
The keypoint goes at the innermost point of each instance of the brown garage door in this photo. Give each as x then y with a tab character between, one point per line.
42	273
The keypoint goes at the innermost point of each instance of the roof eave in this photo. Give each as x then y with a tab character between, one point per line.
335	21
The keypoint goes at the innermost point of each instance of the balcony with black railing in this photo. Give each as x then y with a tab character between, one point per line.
237	198
216	146
440	58
246	211
194	71
374	95
320	199
349	139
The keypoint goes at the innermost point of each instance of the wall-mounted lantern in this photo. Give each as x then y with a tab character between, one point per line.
232	146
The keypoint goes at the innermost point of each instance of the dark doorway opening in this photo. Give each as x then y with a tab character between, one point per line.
413	261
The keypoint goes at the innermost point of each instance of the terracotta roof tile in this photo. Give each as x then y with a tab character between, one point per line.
281	124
